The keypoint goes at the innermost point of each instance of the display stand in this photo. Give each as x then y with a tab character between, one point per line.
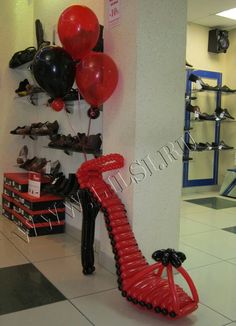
228	188
187	182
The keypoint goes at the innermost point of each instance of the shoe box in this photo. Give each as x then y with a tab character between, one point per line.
34	216
19	181
44	202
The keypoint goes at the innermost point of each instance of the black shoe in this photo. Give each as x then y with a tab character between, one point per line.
193	109
21	57
22	86
206	116
228	115
59	189
224	146
197	147
196	79
193	78
74	193
55	167
54	185
209	146
188	64
69	185
226	89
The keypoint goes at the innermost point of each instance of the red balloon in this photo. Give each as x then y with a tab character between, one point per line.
58	104
78	30
96	78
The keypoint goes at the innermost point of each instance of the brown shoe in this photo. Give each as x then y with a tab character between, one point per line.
79	142
46	129
25	130
93	143
38	165
26	165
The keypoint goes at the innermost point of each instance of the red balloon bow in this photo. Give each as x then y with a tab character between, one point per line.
96	78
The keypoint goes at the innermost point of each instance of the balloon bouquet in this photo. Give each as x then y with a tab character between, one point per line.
55	68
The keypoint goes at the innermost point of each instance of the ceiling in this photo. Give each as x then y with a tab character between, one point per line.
203	12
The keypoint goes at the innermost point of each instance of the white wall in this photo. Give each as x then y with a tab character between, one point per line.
16	33
146	112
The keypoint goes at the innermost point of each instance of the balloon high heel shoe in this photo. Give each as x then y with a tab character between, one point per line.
141	283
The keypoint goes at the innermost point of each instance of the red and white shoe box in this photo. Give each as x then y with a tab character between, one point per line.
35	216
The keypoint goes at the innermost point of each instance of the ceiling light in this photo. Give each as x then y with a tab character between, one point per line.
231	13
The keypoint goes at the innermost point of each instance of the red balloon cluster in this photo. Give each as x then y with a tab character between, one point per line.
96	73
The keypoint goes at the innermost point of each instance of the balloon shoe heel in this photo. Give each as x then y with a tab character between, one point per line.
140	283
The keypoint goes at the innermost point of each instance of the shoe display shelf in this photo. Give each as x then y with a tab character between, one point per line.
70	151
34	216
218	90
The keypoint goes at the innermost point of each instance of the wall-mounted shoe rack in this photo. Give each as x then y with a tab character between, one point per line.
216	77
34	216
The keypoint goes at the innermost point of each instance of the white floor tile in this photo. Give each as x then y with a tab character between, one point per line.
188	227
196	258
66	274
216	286
231	210
109	308
232	261
6	226
9	255
220	244
47	247
56	314
201	194
212	217
193	208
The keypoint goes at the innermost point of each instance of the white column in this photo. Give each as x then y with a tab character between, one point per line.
145	115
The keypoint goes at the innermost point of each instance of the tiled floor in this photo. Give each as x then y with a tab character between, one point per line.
52	263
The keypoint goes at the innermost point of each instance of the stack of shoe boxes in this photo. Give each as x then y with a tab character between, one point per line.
34	216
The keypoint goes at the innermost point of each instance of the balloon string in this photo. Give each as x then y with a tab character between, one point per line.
85	156
70	123
89	127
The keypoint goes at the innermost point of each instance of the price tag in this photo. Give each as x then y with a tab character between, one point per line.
113	11
34	184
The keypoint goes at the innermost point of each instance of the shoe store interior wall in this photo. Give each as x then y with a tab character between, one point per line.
19	111
203	131
154	165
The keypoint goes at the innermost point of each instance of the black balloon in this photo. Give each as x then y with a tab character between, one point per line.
54	70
